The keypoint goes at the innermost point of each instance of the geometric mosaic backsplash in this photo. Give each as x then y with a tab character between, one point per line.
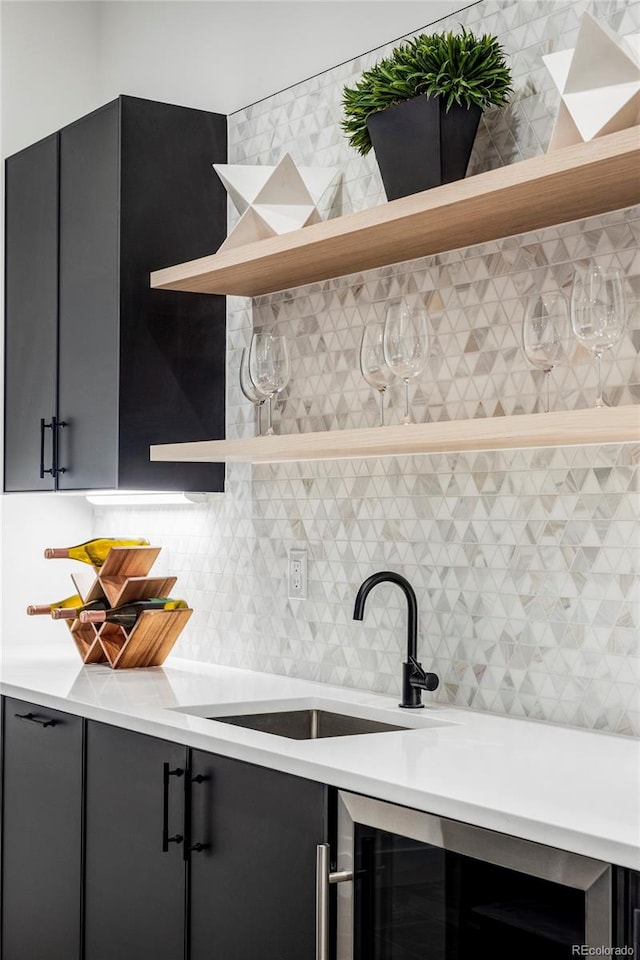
526	563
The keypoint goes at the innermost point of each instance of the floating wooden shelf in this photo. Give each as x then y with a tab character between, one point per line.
567	184
559	428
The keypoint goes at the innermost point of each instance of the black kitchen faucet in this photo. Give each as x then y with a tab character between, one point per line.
414	678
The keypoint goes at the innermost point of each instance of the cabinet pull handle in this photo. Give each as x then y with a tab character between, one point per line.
176	838
45	426
56	425
324	878
34	719
188	846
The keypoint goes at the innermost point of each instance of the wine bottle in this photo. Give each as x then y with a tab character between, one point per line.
127	614
94	551
73	613
39	609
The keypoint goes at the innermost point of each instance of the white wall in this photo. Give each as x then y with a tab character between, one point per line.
62	58
222	56
49	67
31	522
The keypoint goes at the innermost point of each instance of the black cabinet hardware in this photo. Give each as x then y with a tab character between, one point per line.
178	837
188	804
50	470
34	719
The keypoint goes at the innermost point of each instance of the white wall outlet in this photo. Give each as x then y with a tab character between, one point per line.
297	575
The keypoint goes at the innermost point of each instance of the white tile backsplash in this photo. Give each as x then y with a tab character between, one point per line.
525	562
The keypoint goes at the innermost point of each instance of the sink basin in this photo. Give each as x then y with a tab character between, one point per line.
313	718
309	724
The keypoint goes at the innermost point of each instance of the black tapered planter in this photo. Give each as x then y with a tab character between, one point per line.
419	144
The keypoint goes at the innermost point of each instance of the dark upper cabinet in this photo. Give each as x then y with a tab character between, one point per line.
90	212
31	303
42	764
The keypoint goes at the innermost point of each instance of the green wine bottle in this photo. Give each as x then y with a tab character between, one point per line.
94	552
39	609
127	614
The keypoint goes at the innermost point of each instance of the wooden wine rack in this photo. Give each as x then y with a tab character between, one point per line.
123	578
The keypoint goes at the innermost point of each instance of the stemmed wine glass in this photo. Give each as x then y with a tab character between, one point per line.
598	312
249	389
269	367
544	327
406	344
372	363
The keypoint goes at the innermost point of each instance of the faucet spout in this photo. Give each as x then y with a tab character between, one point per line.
414	678
388	576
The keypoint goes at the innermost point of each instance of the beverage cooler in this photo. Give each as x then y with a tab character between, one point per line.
412	886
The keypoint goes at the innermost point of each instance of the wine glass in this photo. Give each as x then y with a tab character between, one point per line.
372	363
406	343
544	327
598	312
249	389
269	367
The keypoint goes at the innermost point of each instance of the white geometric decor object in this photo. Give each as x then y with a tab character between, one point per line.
273	200
599	82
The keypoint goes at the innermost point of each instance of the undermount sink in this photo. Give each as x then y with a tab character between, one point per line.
309	724
313	718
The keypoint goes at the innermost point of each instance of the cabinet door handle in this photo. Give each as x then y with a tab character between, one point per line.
34	719
56	426
45	426
176	838
188	846
324	878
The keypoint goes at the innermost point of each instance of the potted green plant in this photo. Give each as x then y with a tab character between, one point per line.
420	107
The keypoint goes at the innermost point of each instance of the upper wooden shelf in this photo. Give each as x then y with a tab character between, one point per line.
558	428
568	184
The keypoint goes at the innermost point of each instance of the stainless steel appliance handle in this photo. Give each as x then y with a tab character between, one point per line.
324	878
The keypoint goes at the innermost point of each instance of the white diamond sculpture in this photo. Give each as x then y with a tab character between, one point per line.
273	200
599	82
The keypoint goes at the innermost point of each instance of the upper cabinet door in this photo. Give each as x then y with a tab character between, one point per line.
89	300
31	305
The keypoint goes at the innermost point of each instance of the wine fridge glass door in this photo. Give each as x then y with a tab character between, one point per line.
426	888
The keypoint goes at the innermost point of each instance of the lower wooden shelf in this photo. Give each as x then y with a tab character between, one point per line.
558	428
148	644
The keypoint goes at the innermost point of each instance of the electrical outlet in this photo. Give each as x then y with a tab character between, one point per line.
297	574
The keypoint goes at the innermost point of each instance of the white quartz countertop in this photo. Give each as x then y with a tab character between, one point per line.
568	788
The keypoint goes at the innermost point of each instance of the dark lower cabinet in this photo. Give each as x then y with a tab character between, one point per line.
42	767
253	837
134	889
194	855
121	846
